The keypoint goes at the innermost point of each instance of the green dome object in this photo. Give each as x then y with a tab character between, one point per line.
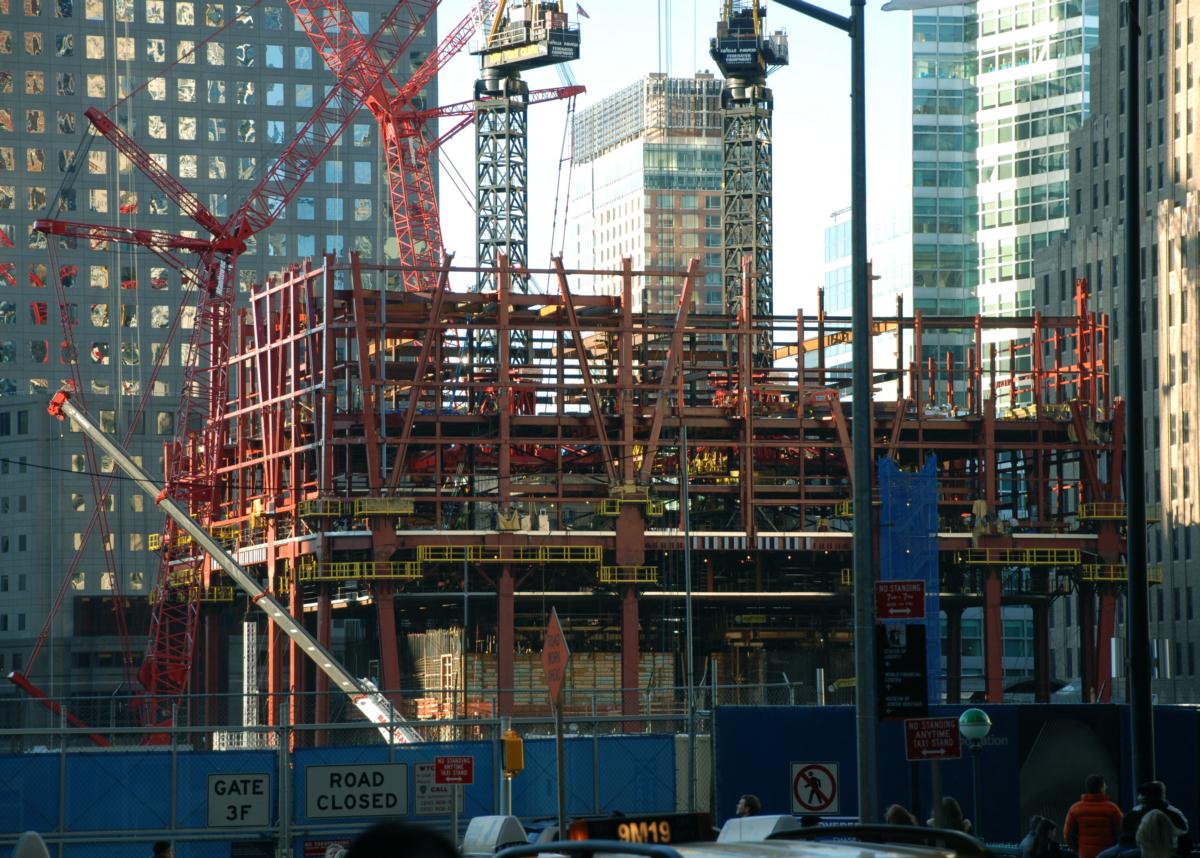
974	724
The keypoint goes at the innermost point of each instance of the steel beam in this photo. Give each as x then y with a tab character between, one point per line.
630	655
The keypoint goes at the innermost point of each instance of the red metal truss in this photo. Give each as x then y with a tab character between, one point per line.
188	202
412	195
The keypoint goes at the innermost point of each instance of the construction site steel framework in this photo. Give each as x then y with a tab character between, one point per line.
361	456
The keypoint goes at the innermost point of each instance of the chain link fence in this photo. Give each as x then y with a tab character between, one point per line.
278	789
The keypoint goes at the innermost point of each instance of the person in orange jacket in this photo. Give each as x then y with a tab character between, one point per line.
1094	822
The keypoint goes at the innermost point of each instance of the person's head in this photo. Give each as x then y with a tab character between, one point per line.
30	845
1034	822
897	814
163	849
1094	784
952	812
1044	829
1156	835
1153	791
748	805
401	840
810	820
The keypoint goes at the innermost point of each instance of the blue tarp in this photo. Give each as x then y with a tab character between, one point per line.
908	548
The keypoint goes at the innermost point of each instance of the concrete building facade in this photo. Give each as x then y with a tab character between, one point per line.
1093	251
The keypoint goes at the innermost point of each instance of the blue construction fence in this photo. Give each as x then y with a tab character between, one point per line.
1034	761
110	803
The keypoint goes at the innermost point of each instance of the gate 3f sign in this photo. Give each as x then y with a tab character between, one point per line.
815	788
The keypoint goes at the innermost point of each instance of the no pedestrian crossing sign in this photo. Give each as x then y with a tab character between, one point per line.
815	788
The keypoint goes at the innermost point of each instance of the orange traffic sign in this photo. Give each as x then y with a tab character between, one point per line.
555	655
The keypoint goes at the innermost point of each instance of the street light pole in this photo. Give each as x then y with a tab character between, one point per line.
974	724
867	704
1137	618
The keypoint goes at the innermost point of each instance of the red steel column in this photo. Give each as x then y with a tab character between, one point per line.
1087	642
630	655
276	646
1104	635
324	633
505	642
993	630
297	661
213	712
389	657
993	638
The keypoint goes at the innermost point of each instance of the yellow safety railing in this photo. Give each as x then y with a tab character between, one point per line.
383	506
509	553
321	507
228	535
1118	573
569	553
155	541
628	574
1021	556
179	579
217	593
845	508
366	570
1116	511
1102	511
612	506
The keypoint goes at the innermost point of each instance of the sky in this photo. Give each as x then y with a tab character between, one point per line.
623	40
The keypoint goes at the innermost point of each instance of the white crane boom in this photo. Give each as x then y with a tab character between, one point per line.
362	692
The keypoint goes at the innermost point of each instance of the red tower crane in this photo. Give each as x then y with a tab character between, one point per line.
195	452
332	30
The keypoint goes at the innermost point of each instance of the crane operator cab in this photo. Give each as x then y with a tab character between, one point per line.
526	34
691	835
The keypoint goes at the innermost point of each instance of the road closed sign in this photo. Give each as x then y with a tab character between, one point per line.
361	790
815	788
241	800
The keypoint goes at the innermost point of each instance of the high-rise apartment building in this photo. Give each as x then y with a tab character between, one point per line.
646	184
1093	251
213	91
